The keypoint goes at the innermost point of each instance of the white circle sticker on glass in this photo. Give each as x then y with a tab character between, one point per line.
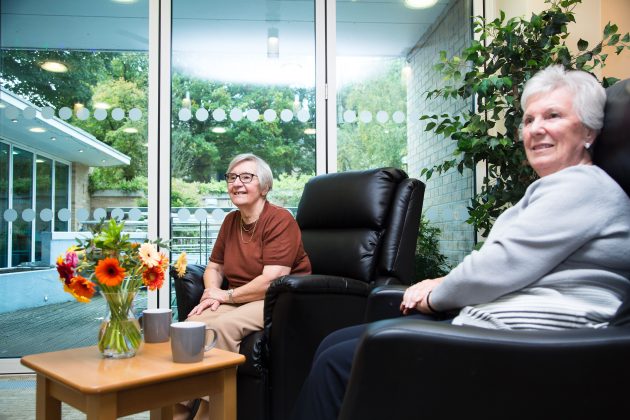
29	113
382	117
46	215
10	215
82	214
100	114
63	215
28	215
47	112
303	115
270	115
398	117
201	114
135	114
134	214
236	114
349	116
183	215
253	115
83	114
118	114
286	115
218	114
365	116
201	215
99	214
218	215
65	113
118	213
11	113
184	114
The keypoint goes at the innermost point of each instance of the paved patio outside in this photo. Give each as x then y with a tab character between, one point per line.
54	327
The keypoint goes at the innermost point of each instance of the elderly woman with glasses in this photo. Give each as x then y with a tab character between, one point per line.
256	244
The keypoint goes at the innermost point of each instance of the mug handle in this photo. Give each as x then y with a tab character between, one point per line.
214	339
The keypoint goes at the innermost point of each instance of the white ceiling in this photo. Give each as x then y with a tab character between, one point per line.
364	27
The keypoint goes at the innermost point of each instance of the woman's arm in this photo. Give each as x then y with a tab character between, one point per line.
212	279
256	289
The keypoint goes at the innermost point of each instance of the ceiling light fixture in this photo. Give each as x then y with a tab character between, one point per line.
54	67
420	4
309	131
273	43
37	130
219	130
130	130
102	105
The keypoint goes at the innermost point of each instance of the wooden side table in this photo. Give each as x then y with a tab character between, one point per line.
108	388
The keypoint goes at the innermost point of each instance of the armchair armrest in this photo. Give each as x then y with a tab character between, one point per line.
384	303
188	289
299	312
437	370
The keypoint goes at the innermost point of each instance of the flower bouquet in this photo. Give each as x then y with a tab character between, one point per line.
110	261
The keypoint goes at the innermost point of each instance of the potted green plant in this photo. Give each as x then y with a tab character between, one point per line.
492	71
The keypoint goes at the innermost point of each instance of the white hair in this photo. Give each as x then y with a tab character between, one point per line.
264	174
589	97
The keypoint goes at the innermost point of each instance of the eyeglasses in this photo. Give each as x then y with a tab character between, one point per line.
245	177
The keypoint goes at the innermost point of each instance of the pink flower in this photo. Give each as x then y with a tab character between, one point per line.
149	255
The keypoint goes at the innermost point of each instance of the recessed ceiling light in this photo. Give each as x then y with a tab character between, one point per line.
2	105
309	131
14	120
130	130
420	4
54	66
219	130
80	150
37	130
53	138
102	105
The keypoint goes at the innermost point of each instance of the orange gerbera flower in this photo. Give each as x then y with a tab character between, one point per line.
109	272
153	277
82	289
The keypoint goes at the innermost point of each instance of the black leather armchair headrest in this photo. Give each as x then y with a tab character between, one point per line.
612	148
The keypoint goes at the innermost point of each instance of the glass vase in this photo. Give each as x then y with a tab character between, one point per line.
120	336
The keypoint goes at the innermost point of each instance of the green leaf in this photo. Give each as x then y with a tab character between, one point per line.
582	45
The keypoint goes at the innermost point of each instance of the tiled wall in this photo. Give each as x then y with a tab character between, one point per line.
447	195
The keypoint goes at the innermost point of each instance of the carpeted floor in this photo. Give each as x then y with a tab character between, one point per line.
17	401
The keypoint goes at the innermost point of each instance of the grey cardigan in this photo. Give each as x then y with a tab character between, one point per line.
560	258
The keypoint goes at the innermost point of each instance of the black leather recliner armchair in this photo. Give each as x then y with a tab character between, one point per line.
359	230
409	369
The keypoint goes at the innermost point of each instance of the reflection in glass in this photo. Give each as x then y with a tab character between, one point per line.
22	200
43	192
4	203
62	195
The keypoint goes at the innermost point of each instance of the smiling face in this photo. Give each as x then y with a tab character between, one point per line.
553	135
245	195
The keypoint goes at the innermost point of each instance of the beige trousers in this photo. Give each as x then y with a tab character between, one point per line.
233	322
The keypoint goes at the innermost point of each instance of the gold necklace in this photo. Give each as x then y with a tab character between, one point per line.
243	229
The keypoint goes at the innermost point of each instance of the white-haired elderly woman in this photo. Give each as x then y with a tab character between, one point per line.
558	259
256	244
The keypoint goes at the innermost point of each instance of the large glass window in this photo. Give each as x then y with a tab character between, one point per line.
73	114
243	82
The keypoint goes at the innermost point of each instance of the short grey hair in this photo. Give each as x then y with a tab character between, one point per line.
589	97
263	171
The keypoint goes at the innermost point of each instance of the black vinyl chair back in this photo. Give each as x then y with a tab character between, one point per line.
612	153
362	224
